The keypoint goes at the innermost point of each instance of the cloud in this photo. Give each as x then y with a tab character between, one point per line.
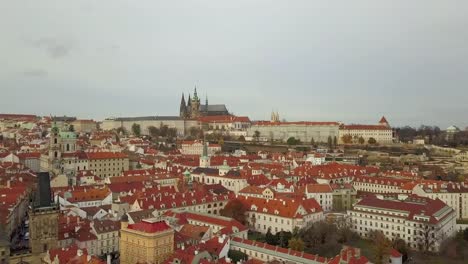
35	73
53	47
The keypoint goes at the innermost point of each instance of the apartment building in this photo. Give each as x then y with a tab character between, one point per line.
453	194
149	241
421	222
281	214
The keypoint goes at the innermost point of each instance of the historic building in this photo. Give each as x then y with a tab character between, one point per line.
194	109
421	222
43	218
382	132
149	241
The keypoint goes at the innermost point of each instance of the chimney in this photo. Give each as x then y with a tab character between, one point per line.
8	184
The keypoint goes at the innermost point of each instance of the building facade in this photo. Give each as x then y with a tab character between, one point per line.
149	241
421	222
382	132
194	109
304	131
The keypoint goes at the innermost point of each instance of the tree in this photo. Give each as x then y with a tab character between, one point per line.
381	246
122	131
153	131
330	142
312	141
172	132
136	129
163	129
296	244
235	209
362	140
241	138
400	245
372	141
270	238
291	141
71	128
347	139
257	135
283	237
465	234
237	256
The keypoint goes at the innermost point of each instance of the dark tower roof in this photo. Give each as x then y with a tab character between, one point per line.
183	107
43	196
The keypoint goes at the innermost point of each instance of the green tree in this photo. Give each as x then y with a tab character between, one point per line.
296	244
270	238
237	256
136	129
241	138
71	128
312	141
291	141
372	141
362	140
256	135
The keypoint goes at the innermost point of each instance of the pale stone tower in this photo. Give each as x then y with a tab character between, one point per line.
195	105
205	159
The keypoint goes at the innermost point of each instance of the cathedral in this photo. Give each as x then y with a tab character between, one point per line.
194	109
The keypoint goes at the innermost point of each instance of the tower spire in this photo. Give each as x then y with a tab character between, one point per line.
183	107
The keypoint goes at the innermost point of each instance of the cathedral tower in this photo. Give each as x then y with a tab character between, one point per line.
195	105
183	108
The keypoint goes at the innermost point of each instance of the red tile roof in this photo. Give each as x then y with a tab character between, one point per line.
223	119
303	123
149	227
364	127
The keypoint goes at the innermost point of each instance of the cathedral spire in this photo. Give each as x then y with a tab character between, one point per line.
206	102
183	107
195	95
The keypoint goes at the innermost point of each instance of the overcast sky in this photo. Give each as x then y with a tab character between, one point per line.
350	61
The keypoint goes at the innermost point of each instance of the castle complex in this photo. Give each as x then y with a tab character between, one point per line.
193	108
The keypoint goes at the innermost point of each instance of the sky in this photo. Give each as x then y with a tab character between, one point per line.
348	61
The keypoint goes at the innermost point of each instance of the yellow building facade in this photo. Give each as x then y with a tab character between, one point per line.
149	241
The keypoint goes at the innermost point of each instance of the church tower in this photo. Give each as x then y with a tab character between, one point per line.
55	150
205	159
195	105
183	108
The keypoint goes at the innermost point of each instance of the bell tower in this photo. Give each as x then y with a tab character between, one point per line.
195	105
55	148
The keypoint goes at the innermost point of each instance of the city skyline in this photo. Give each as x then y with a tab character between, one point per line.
349	62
